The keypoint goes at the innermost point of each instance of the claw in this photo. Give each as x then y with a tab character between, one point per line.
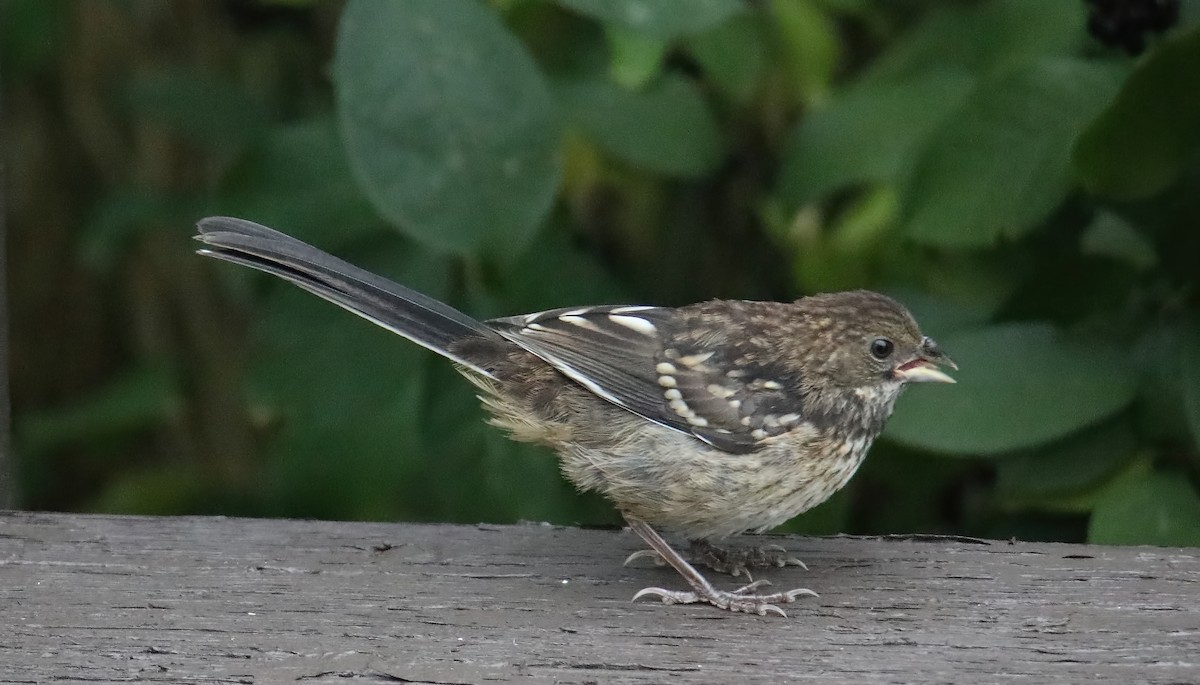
737	600
764	608
645	554
667	596
784	561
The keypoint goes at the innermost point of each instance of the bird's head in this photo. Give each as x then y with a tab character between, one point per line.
861	340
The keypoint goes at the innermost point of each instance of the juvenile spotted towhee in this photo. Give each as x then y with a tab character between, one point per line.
707	420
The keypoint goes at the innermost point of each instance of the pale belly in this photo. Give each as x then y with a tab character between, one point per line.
701	492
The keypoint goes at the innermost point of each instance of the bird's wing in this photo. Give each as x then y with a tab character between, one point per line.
691	379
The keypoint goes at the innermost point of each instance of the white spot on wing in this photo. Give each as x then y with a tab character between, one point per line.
673	394
634	323
719	391
666	369
666	381
582	322
696	359
631	309
680	407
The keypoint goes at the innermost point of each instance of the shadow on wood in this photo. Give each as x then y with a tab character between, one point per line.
215	600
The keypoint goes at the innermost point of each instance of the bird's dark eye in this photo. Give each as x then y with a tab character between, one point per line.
881	348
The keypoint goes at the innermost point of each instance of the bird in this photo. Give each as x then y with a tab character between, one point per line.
707	420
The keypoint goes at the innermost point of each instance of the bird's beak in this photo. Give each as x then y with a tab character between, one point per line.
924	369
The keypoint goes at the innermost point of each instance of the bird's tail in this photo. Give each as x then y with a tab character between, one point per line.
419	318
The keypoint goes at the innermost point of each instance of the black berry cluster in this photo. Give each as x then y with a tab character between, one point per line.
1125	23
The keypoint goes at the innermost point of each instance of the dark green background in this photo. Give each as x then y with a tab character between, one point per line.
1031	194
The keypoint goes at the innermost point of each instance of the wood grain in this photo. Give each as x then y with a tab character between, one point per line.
214	600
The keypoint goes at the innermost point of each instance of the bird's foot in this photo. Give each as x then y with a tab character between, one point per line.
742	599
737	561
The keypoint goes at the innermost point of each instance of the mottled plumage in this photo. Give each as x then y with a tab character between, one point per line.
707	420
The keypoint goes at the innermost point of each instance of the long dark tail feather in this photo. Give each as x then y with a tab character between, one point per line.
421	319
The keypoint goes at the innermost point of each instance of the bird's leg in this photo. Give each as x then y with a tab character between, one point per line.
737	561
742	599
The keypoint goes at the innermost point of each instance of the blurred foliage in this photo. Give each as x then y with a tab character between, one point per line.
1030	194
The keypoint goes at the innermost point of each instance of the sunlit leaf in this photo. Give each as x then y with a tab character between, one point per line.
809	38
1019	385
636	58
447	121
1140	143
665	20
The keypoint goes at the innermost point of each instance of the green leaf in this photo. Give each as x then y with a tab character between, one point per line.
985	37
202	107
297	178
636	58
447	121
939	316
1190	373
32	35
1159	508
346	396
167	488
839	257
1139	144
870	132
663	20
1001	164
1067	467
135	400
122	215
1019	386
1111	236
667	128
1162	407
732	55
811	46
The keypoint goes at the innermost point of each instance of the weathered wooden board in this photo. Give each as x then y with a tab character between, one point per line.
213	600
